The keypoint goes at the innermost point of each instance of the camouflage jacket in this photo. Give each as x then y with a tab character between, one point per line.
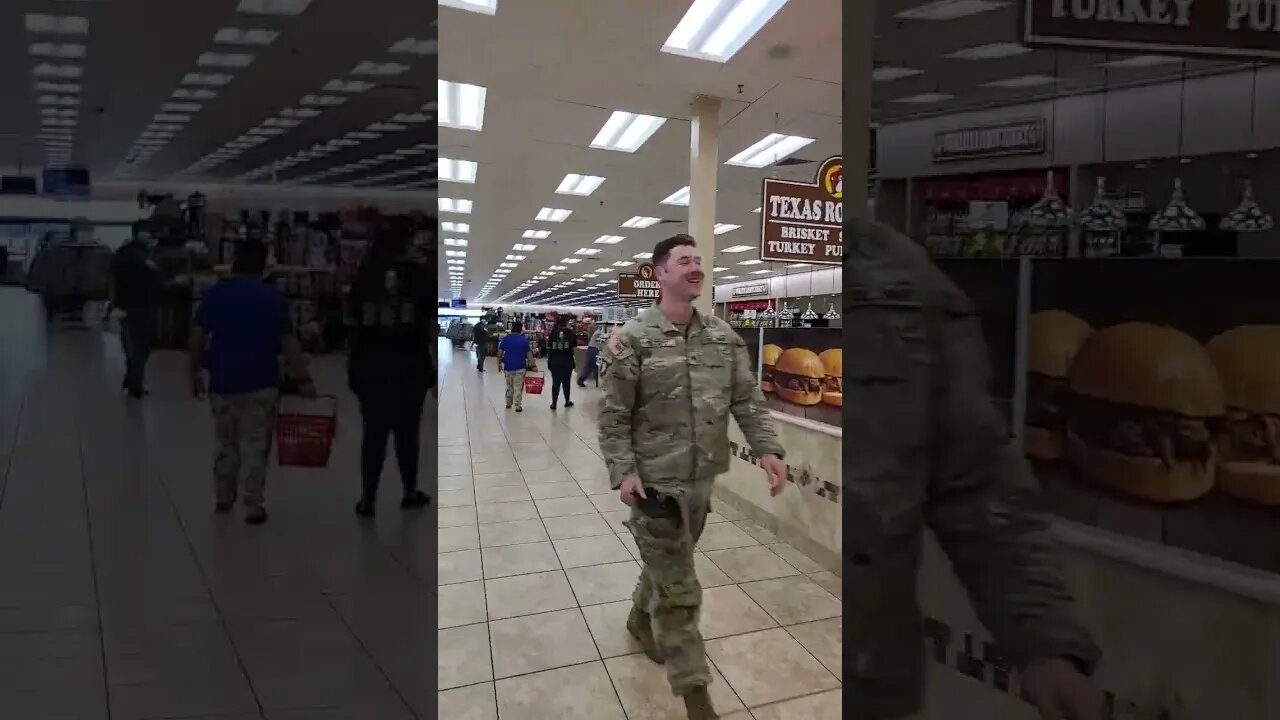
668	397
924	445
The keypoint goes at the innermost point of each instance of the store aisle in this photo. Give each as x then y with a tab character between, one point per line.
536	572
120	589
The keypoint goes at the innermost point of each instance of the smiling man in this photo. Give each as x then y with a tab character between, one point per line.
664	435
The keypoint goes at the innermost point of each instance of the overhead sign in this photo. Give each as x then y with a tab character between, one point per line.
638	285
749	290
1018	137
1240	29
803	222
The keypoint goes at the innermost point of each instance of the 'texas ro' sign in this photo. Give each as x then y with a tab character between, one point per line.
803	222
1239	29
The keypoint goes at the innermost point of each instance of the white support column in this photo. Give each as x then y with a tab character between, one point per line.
704	159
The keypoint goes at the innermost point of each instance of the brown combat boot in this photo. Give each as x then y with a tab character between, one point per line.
640	629
697	703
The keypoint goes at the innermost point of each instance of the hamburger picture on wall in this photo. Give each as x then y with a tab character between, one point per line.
1147	406
1248	361
833	377
1055	338
798	375
768	359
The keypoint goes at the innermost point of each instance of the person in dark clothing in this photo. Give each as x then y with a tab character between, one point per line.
558	349
480	338
389	366
135	291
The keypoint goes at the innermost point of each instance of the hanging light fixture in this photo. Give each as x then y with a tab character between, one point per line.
1178	216
1249	217
1049	212
831	313
769	314
786	315
809	314
1102	216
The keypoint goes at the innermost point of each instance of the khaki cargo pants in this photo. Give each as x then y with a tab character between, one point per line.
243	425
515	386
668	589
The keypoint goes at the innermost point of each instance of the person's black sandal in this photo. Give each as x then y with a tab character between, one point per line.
414	500
366	508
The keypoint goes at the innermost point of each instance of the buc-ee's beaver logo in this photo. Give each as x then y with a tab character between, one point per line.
646	272
831	178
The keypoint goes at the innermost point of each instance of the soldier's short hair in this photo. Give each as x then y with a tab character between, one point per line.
664	248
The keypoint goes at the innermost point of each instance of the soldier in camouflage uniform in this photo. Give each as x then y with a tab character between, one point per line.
925	446
664	435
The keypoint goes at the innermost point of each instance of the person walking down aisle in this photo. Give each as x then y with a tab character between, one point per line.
389	368
135	292
664	425
241	329
480	339
514	357
590	369
559	351
927	447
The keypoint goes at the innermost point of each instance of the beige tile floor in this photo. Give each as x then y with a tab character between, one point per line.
536	572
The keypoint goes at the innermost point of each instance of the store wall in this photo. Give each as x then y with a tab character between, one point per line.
800	284
1141	123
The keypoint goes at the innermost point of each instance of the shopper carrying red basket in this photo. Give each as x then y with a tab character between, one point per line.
515	357
241	329
391	330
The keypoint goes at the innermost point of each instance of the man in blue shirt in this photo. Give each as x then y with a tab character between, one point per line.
240	331
514	356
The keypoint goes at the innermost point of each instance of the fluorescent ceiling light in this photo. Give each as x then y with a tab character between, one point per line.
224	60
193	94
610	239
722	228
506	265
1022	81
626	132
737	249
211	79
756	210
641	221
1141	61
484	7
65	51
990	51
459	171
455	253
65	72
798	265
554	215
643	255
582	185
322	100
571	260
59	112
517	258
461	105
887	74
524	248
924	98
387	127
771	149
414	46
751	262
622	263
761	272
537	234
717	29
57	24
283	122
719	269
455	227
348	86
273	7
57	87
950	9
557	267
374	69
63	100
727	277
462	207
679	197
411	118
254	37
181	107
172	118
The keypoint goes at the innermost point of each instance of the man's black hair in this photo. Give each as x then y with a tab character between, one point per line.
251	258
516	327
664	248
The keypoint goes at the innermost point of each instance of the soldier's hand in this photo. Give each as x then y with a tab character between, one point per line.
776	470
1059	692
631	491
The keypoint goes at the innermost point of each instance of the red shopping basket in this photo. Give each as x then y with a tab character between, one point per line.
533	383
305	429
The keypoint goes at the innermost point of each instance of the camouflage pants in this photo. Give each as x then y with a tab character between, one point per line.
515	386
243	425
668	589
